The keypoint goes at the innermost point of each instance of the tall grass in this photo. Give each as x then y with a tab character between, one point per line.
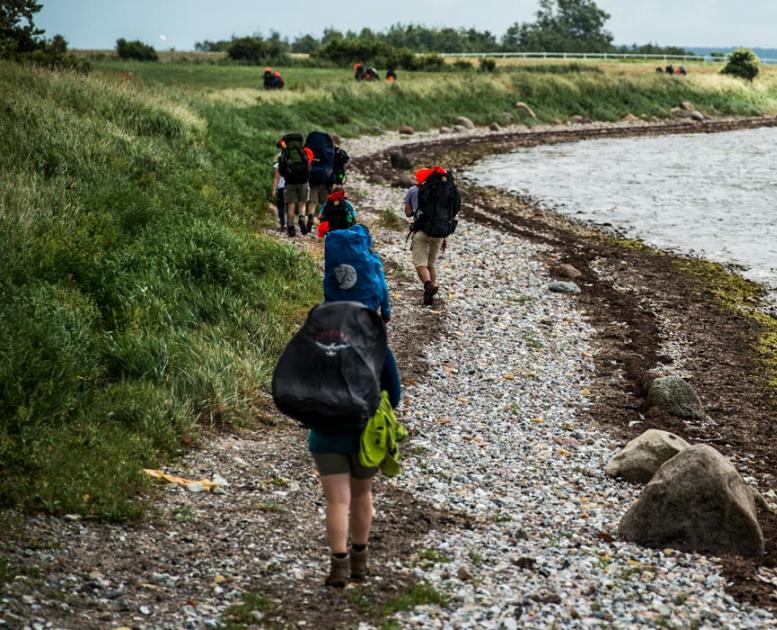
138	301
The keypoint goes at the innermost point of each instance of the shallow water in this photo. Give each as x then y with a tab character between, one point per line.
713	195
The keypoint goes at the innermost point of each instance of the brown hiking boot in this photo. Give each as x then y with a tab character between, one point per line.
429	292
359	565
338	572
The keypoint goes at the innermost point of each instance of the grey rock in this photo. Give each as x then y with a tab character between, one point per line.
399	160
578	120
644	455
464	122
674	395
563	287
403	181
459	128
525	109
494	126
687	106
145	610
697	501
697	116
444	130
376	178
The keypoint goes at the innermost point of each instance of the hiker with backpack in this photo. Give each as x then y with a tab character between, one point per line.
278	191
277	81
337	213
433	204
341	161
294	166
334	377
267	79
322	174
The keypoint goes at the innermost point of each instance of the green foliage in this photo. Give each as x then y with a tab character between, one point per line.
487	65
18	33
136	50
742	63
255	50
463	65
562	26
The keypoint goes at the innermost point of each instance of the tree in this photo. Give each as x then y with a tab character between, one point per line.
135	50
563	26
17	29
742	63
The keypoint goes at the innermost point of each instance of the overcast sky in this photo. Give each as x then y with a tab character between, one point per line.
181	23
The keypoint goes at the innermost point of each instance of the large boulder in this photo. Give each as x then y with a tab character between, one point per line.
696	502
464	122
674	395
525	109
697	116
644	455
399	160
403	181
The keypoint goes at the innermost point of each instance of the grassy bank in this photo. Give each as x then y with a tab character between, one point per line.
139	303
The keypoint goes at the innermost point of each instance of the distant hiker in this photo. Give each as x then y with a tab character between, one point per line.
278	191
353	272
433	205
659	70
371	74
337	213
682	70
267	79
391	75
322	174
341	160
358	71
294	166
277	80
333	377
670	69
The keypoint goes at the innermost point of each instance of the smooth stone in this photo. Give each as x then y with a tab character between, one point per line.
406	130
464	122
639	460
399	160
523	107
563	287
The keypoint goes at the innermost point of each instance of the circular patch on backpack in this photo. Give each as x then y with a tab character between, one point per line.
346	276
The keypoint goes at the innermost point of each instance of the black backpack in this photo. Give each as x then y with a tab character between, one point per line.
293	163
339	214
438	204
328	377
322	170
341	159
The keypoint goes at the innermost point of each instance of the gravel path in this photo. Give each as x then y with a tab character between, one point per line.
496	420
495	444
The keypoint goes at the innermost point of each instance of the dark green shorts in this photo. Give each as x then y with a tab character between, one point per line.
339	464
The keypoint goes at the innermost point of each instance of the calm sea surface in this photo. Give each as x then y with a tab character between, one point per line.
714	195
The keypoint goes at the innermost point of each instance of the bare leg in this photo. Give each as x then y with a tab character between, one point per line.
423	273
433	275
361	510
337	492
290	212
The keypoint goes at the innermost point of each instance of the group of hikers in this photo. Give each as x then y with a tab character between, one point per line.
362	72
337	376
272	80
670	69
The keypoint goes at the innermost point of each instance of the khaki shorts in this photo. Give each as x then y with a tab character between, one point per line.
338	464
318	194
425	250
295	193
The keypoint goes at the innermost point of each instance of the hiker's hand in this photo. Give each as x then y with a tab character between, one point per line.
444	245
386	319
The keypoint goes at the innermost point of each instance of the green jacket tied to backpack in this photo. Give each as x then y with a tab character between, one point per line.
379	444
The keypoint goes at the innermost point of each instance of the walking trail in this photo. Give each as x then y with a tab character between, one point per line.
503	514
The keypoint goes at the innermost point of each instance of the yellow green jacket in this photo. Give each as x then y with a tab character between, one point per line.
379	442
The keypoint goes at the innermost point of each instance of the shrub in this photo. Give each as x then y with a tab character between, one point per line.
255	50
487	65
462	64
135	50
742	63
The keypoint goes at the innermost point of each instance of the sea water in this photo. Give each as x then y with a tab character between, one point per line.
711	195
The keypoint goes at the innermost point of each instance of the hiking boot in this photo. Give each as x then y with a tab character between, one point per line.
358	565
282	228
338	572
291	231
303	229
310	223
429	292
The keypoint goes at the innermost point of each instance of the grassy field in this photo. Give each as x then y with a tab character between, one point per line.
139	301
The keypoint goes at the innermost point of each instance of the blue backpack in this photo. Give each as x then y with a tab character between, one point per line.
322	170
351	271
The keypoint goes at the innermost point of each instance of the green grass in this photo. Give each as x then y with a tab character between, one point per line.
140	302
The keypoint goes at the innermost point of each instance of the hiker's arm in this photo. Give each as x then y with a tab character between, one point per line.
408	210
276	177
389	379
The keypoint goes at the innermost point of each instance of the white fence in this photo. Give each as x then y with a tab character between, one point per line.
561	55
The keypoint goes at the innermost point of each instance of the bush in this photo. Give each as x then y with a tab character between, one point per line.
135	50
462	64
255	50
742	63
487	65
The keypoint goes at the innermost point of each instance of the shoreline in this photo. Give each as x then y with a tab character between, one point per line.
652	310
